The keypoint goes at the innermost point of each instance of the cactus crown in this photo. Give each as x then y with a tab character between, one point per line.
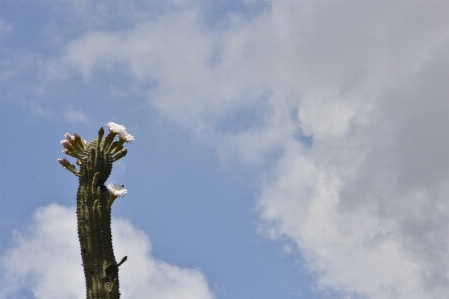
94	201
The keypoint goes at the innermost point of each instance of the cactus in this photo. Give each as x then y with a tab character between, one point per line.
94	201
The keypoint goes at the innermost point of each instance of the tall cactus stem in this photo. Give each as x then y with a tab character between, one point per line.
94	201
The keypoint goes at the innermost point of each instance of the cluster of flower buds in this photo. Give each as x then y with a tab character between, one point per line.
74	145
69	166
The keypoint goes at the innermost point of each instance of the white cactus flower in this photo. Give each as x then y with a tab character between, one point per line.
117	190
127	137
116	128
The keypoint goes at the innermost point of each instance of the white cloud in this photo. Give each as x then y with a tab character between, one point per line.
367	204
38	110
75	116
46	260
367	201
146	277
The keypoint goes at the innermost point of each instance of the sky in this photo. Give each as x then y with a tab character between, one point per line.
283	149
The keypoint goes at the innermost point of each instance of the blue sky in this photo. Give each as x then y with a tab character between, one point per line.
284	149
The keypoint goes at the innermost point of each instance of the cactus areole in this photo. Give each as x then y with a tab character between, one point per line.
93	206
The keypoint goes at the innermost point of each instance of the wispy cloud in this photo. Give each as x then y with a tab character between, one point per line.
4	27
38	110
45	259
75	116
366	203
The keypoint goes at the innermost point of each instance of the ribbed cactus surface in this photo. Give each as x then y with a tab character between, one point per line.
94	202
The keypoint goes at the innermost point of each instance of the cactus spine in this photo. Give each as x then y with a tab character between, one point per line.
94	202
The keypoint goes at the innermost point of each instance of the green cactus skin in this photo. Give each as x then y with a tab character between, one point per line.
94	224
93	209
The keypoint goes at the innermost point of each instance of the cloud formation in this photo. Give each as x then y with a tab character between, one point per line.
75	116
366	199
46	260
